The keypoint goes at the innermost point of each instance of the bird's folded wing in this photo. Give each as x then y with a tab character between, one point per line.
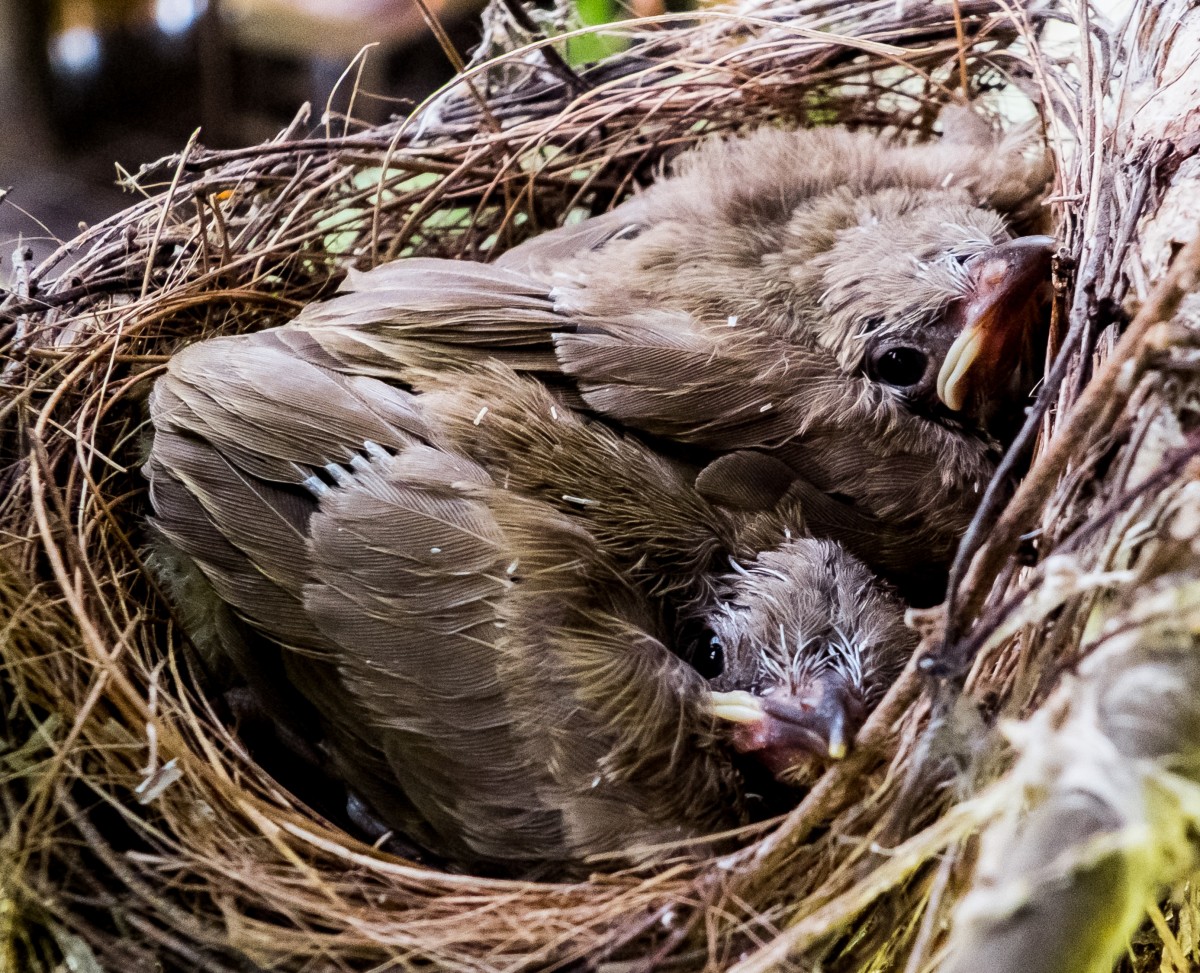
523	704
426	313
268	404
632	735
407	574
240	425
667	373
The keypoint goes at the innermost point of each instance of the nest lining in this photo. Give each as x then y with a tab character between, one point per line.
139	830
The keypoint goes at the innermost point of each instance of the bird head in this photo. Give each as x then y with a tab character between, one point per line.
809	641
929	297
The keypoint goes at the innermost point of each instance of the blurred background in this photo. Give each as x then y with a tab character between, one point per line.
90	85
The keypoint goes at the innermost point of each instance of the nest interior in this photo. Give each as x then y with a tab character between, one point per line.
139	833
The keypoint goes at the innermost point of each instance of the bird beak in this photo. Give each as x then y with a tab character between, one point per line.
997	313
737	707
785	730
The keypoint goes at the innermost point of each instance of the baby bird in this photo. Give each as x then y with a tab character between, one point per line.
816	306
488	640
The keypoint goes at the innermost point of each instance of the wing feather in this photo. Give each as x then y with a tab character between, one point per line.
431	313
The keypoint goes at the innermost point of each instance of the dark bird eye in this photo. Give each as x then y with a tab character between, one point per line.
901	367
710	661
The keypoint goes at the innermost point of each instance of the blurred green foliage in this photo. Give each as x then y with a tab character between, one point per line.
596	45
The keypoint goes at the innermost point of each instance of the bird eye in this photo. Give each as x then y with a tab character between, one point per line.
711	660
899	366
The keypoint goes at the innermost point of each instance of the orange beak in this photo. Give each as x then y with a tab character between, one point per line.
1008	286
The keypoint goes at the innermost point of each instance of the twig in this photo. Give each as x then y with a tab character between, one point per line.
899	865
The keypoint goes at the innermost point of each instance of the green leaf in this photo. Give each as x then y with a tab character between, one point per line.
592	47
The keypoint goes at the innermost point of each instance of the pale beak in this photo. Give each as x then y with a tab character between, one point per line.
737	707
1008	283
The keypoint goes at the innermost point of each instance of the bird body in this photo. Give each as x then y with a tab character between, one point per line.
749	304
482	602
482	524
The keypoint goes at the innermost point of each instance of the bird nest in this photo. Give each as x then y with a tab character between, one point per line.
138	828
